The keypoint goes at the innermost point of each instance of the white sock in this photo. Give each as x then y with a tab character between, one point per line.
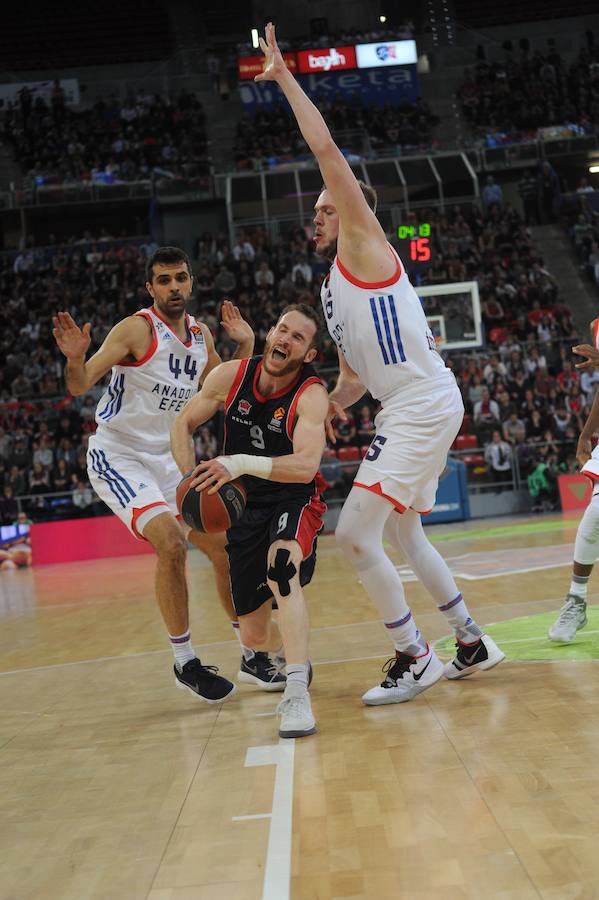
248	653
278	657
182	649
456	613
405	636
297	675
579	586
360	536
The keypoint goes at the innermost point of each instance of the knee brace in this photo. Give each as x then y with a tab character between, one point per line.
282	571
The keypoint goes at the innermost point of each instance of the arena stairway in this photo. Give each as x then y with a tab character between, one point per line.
575	291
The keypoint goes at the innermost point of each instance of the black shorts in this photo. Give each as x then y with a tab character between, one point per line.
249	542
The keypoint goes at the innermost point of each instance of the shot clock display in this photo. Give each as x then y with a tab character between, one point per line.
419	237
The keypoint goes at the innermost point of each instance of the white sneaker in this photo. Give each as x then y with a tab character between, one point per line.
572	617
296	715
482	654
406	677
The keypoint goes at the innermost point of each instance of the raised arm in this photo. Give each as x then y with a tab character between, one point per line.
128	340
300	466
238	330
198	410
360	233
585	444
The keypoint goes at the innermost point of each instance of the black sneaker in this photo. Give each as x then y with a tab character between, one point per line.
204	682
261	672
482	654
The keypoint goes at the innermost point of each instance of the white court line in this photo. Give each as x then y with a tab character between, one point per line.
277	869
255	816
406	572
534	637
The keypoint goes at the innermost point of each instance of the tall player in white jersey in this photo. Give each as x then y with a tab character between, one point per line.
158	357
385	346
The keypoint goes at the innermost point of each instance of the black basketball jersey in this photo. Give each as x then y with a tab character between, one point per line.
263	426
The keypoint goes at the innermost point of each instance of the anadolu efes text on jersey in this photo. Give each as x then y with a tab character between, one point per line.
382	331
144	397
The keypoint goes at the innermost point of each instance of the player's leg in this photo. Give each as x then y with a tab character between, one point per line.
476	650
124	480
247	550
283	578
360	535
213	546
572	616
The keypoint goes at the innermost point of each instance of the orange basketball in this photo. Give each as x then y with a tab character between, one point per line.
211	512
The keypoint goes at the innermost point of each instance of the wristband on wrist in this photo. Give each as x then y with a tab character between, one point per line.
245	464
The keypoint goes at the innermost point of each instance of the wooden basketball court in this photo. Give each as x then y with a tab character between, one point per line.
116	786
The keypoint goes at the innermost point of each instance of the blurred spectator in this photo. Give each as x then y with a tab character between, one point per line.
498	456
9	508
492	193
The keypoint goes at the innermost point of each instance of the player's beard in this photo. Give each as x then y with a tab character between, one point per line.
168	310
327	251
292	365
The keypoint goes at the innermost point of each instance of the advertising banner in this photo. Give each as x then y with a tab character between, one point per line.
387	53
329	59
250	66
10	93
371	87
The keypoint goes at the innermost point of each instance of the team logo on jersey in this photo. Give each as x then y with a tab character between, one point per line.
195	329
196	333
167	336
276	422
244	407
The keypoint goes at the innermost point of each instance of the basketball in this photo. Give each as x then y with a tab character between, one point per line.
211	512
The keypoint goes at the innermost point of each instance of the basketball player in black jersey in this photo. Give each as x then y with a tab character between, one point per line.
275	410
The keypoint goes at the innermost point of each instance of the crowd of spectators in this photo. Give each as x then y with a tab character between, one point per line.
581	214
143	137
522	387
271	136
529	90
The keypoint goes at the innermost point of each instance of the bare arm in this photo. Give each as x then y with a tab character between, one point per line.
585	446
299	467
362	241
130	338
198	410
348	390
237	329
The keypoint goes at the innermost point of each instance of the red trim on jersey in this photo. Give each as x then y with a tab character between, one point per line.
137	511
152	348
187	325
274	396
377	489
310	523
422	512
371	285
590	475
290	424
234	389
595	332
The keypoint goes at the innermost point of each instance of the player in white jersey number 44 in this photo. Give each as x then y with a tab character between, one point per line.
385	346
158	358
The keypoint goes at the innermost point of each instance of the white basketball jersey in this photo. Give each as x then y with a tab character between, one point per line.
382	331
143	397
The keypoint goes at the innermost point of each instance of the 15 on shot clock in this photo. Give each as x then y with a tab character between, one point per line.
415	245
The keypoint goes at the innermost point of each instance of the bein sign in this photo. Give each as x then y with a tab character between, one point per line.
326	59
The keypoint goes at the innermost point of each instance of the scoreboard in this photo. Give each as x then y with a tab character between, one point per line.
415	243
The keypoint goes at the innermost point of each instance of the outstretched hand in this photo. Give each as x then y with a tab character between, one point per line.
274	64
73	341
336	411
592	356
234	324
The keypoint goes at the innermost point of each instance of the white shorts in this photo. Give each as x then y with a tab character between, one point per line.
591	468
409	450
137	486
